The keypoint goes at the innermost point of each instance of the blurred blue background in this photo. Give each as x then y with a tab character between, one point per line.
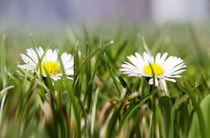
55	13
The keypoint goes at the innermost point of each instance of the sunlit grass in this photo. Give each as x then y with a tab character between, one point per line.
100	101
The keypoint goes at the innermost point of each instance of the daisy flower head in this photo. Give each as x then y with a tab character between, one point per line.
49	63
162	67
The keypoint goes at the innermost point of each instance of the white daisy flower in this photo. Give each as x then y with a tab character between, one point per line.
163	68
49	62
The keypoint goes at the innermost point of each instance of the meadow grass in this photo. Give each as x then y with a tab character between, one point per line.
100	101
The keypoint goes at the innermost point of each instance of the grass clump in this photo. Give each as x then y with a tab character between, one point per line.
99	101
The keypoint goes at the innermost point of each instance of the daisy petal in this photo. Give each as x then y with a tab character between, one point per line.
156	82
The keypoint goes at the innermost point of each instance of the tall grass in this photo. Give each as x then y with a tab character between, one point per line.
100	101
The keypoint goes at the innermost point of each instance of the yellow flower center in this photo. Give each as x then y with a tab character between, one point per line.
51	67
158	70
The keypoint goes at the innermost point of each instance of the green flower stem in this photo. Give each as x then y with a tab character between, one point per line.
153	125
